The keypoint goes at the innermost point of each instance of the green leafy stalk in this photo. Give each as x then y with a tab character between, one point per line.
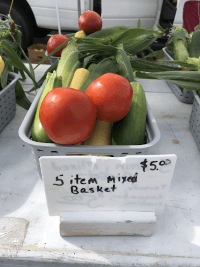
21	51
124	58
15	60
154	53
129	35
21	98
140	64
139	43
40	82
185	79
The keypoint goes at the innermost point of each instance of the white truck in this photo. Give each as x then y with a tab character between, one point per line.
37	17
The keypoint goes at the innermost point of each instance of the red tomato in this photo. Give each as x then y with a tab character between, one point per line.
67	115
112	95
90	21
55	41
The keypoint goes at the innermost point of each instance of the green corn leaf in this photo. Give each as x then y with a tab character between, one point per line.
104	40
155	53
21	51
127	63
97	50
22	75
160	28
193	76
21	98
139	43
184	79
141	64
181	63
23	102
40	82
142	75
15	60
129	35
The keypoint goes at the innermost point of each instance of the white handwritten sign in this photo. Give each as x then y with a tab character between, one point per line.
89	183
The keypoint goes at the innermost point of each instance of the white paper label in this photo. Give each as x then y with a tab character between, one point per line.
85	183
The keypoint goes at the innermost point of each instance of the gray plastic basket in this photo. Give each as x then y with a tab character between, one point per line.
52	149
194	122
184	95
52	59
8	101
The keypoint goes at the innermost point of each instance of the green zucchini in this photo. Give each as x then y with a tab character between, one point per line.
104	66
38	133
131	129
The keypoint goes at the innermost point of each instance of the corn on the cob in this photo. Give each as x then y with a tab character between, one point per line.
194	50
180	50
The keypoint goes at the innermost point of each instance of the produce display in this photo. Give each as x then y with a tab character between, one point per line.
89	59
98	101
93	88
185	49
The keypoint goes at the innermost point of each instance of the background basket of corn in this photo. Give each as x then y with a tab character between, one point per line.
8	101
184	95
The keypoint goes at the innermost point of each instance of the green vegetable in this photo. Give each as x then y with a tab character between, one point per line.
139	43
104	66
21	98
194	50
185	79
15	59
131	129
179	40
4	33
128	36
125	68
38	134
70	66
64	56
111	32
91	66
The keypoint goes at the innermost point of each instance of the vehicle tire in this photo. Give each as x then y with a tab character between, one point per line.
42	32
26	26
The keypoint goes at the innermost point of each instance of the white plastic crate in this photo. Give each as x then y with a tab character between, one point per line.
194	121
51	149
184	95
8	101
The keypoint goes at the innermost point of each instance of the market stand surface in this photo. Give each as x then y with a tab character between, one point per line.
30	237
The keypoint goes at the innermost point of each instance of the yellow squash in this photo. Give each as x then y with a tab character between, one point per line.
2	65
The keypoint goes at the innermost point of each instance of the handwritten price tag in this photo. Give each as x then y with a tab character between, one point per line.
85	183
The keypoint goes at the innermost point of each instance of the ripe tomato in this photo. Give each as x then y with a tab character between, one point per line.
90	21
112	95
67	115
55	41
